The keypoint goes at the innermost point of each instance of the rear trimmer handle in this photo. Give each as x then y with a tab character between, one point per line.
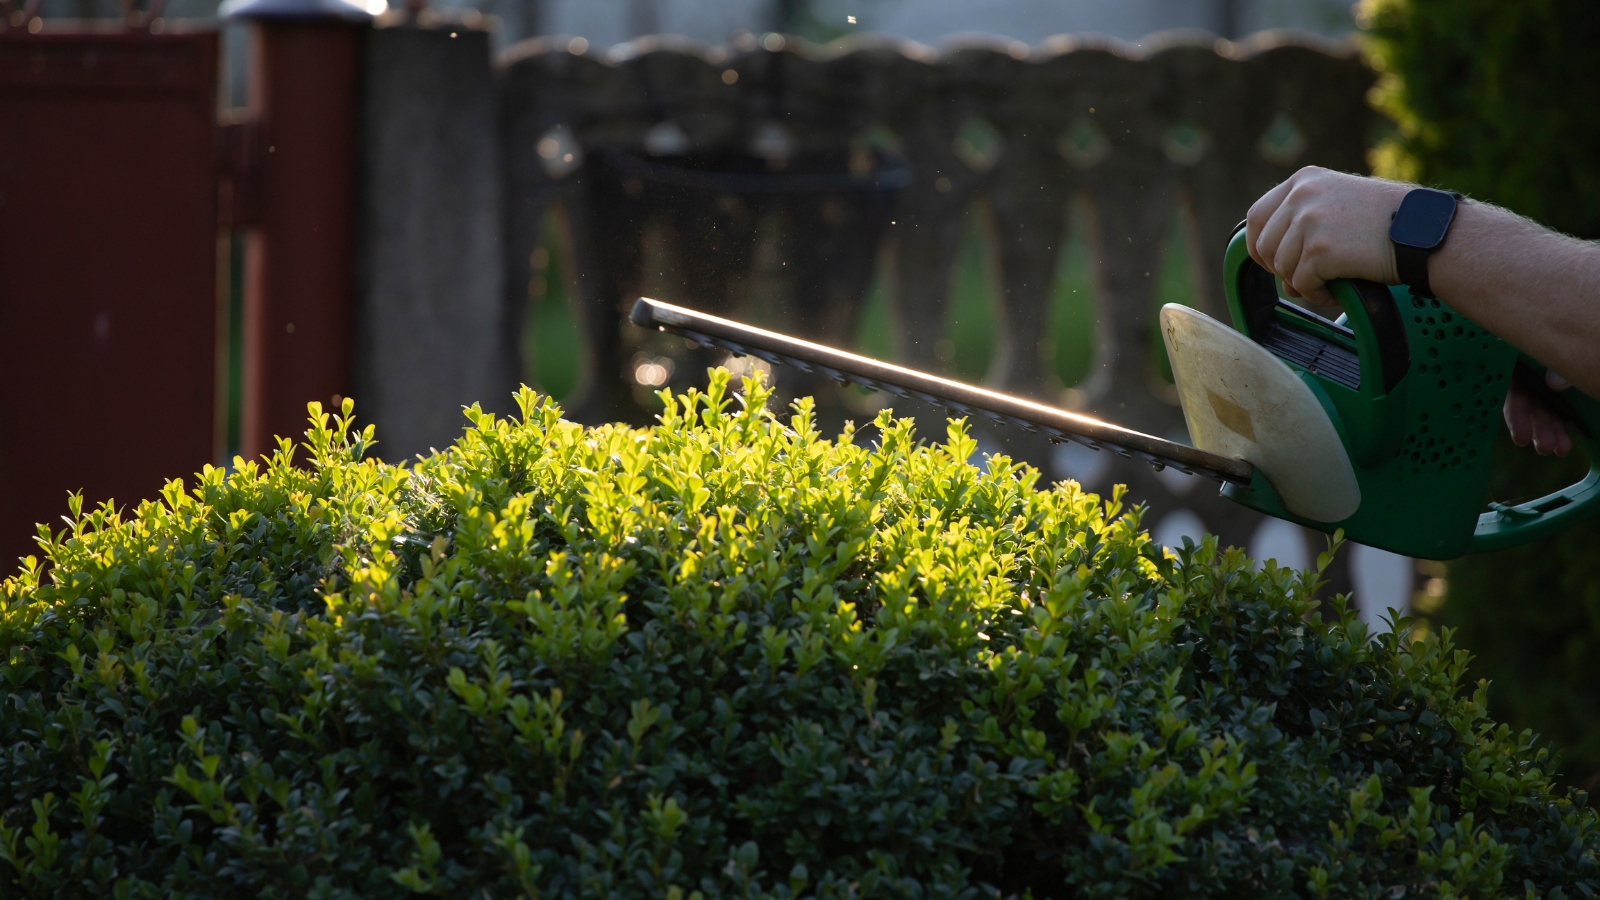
1509	525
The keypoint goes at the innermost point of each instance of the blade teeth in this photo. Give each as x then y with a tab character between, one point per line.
1056	435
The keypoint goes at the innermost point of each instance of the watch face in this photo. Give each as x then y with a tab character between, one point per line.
1423	218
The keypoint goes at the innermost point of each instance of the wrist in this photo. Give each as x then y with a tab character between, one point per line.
1385	201
1417	230
1446	263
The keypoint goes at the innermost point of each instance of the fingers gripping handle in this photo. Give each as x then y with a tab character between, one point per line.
1360	361
1509	525
1367	352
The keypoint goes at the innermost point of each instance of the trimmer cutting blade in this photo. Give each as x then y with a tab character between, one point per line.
955	396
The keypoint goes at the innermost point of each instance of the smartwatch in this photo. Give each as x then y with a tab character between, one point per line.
1417	229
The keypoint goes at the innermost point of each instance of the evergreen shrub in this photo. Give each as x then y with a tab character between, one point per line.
724	656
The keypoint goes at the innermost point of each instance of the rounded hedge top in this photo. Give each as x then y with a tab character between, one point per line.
723	656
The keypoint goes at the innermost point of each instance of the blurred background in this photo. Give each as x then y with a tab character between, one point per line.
608	22
209	217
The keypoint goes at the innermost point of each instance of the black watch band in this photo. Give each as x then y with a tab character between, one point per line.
1411	264
1417	229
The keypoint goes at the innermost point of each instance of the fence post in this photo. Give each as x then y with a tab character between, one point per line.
430	330
298	282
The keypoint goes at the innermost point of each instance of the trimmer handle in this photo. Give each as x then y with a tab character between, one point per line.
1366	353
1507	526
1361	361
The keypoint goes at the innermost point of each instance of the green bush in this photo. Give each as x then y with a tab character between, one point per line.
1502	101
723	655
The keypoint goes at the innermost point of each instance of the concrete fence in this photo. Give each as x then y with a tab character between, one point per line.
782	183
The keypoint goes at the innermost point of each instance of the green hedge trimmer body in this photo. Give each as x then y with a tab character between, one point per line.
1414	391
1381	423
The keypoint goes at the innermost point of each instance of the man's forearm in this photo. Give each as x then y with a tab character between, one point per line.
1538	290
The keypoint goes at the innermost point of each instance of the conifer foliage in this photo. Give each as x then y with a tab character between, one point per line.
723	656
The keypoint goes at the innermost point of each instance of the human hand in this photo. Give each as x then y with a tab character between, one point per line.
1321	225
1529	419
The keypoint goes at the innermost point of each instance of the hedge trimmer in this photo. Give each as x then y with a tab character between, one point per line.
1381	422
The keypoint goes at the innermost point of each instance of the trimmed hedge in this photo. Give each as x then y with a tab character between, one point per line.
724	656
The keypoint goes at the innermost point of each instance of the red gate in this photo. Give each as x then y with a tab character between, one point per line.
108	269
